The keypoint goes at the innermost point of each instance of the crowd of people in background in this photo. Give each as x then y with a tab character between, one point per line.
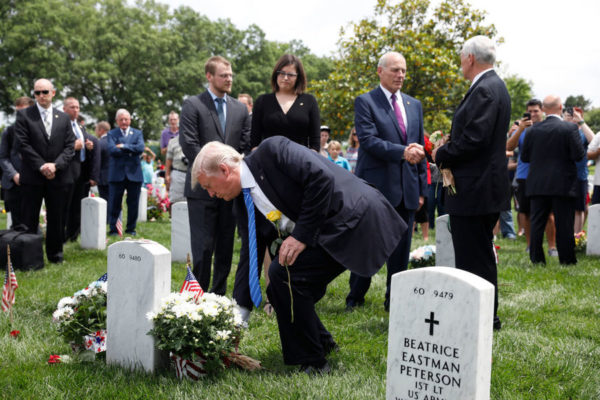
541	162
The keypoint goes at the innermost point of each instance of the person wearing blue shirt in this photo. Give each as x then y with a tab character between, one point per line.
335	148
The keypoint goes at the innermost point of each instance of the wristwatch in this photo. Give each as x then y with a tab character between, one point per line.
581	122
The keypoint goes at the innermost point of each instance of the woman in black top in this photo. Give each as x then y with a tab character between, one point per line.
288	111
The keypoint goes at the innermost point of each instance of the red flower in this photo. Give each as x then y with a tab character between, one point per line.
54	359
428	145
15	333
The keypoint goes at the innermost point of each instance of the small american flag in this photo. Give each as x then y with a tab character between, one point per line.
190	284
10	285
103	278
192	370
120	224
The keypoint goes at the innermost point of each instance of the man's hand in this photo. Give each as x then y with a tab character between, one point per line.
414	153
89	144
78	144
120	145
421	202
289	250
48	170
16	179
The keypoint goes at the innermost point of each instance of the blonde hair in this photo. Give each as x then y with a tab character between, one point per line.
334	144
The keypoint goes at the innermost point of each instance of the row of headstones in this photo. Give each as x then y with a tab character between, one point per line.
440	327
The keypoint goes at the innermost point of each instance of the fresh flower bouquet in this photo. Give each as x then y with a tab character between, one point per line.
580	241
423	256
157	204
438	139
206	331
81	318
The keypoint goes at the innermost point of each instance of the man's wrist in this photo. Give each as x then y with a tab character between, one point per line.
581	122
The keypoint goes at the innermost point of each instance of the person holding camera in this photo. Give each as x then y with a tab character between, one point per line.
534	115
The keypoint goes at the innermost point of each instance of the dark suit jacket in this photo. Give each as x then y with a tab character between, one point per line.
36	149
200	124
332	208
10	157
104	160
90	168
124	163
552	147
476	153
381	148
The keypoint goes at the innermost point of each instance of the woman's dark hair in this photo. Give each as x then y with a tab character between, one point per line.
284	61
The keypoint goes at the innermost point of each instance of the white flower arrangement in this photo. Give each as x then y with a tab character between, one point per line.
423	256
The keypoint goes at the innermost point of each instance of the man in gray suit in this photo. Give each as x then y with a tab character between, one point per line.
212	116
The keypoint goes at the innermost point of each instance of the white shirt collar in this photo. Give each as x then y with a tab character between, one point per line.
214	96
42	110
480	74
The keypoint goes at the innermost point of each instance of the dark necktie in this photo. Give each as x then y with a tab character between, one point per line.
253	281
398	113
221	113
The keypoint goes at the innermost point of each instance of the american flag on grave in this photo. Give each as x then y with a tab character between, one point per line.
10	285
190	284
96	341
119	224
192	370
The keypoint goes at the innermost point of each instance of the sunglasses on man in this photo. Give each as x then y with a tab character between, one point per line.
38	92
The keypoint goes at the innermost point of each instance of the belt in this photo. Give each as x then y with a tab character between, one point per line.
180	170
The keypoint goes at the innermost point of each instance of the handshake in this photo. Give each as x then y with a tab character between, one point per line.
414	153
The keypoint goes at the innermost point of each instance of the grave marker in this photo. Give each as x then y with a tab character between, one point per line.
180	232
593	232
143	205
139	276
440	335
93	223
444	249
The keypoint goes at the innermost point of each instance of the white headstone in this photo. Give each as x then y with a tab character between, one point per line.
440	335
180	232
139	276
93	223
593	231
143	206
444	249
8	220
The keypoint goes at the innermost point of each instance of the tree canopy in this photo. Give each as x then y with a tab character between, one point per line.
520	93
142	57
430	40
578	101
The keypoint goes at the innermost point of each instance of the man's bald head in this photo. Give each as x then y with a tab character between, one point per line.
552	105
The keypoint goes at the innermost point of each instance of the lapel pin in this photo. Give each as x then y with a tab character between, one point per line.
262	178
301	104
408	102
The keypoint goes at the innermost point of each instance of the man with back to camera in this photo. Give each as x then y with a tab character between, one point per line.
389	125
476	155
534	116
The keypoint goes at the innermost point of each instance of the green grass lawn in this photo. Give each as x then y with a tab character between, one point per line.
548	348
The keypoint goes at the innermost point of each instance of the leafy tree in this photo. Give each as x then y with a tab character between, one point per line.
578	101
430	40
592	118
520	93
142	57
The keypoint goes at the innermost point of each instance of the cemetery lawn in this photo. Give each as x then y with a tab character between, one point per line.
548	348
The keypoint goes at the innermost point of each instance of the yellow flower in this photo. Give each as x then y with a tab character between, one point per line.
274	215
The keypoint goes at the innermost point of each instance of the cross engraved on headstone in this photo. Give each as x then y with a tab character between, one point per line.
431	321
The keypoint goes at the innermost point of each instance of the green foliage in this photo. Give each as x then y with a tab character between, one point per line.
592	118
520	93
578	101
111	54
430	40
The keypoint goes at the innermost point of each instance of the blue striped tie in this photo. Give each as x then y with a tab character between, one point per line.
253	280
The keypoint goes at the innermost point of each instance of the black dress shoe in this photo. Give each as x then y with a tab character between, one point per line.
331	347
132	233
351	305
56	260
497	324
312	370
113	233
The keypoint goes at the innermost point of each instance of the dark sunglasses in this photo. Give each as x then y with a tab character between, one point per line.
38	92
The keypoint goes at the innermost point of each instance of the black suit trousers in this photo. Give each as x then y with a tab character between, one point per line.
473	240
12	202
115	195
54	198
398	262
303	340
564	214
212	229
